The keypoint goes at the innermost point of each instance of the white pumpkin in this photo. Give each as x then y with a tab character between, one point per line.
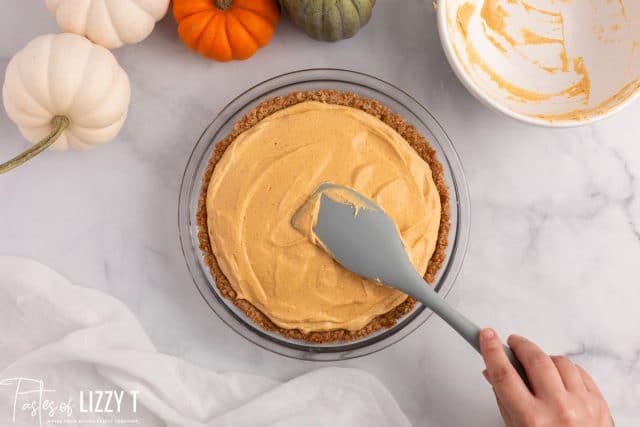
65	81
110	23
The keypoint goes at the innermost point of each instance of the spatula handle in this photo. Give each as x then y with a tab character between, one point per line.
465	327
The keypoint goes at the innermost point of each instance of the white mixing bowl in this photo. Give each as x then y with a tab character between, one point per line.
547	62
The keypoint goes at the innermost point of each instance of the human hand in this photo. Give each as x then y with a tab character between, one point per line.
562	393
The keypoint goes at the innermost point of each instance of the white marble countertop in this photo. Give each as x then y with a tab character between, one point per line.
555	240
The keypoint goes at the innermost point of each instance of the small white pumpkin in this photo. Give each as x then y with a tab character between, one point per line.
65	92
110	23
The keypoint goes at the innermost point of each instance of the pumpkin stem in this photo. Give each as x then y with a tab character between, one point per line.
59	124
224	4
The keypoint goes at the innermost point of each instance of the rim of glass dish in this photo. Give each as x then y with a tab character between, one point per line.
187	229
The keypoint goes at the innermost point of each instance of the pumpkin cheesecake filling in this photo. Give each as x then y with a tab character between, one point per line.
268	172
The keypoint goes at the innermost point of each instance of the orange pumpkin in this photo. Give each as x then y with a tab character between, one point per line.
226	29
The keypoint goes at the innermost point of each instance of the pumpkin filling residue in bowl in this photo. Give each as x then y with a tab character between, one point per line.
553	60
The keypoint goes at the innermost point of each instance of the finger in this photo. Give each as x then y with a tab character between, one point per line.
569	374
594	390
541	371
589	382
503	411
506	382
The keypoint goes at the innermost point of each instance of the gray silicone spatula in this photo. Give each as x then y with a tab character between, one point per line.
365	240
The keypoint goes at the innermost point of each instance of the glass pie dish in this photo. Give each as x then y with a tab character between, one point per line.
305	80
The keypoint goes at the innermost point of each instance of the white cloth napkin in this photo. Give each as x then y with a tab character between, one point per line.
78	340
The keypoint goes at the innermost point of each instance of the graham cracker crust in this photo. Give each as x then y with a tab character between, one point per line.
376	109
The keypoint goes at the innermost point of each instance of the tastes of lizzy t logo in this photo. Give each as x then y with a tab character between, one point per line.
30	398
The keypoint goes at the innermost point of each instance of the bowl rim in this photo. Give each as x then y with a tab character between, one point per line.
191	180
480	95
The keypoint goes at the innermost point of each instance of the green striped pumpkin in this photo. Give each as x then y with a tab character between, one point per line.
329	20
